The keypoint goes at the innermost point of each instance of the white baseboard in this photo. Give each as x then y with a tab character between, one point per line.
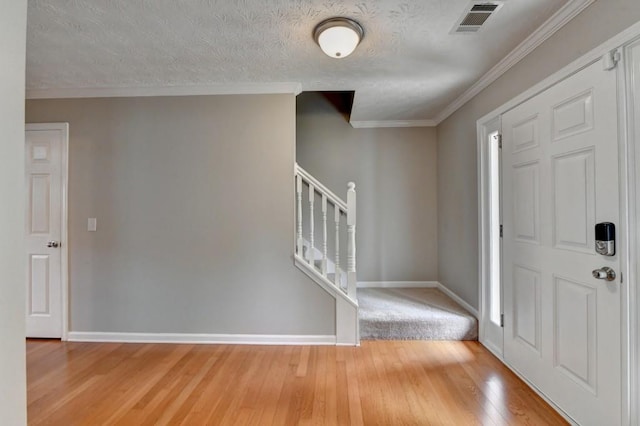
459	300
196	338
397	284
420	284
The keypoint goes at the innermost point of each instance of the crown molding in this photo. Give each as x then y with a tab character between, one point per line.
558	20
195	90
392	123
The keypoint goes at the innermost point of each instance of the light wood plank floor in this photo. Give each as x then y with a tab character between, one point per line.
380	383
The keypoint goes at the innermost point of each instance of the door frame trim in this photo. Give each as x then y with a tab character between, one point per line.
484	227
629	204
632	83
64	232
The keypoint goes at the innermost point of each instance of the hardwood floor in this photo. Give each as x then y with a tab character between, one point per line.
379	383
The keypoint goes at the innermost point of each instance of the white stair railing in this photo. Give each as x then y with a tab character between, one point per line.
317	258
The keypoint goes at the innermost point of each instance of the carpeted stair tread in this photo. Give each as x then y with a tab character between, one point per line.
413	314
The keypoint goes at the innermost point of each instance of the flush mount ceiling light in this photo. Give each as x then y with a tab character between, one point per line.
338	37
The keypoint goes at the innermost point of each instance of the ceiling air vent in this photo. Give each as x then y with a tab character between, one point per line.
475	16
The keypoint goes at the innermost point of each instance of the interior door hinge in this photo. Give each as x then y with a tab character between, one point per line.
499	141
501	232
610	60
501	320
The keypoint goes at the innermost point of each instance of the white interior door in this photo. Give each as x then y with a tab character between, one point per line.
560	166
44	229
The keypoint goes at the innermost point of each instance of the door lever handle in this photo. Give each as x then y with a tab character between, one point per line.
53	244
604	273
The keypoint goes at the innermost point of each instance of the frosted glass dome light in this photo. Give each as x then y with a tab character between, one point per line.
338	37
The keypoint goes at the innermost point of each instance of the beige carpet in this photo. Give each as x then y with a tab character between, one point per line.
413	314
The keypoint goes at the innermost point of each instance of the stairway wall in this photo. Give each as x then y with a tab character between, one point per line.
395	174
13	392
194	198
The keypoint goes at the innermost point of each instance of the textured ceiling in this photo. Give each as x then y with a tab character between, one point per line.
408	67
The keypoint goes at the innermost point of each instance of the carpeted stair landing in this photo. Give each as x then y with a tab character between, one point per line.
413	314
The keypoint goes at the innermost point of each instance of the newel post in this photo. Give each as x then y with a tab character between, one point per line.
351	241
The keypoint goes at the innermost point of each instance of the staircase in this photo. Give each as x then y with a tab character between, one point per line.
322	260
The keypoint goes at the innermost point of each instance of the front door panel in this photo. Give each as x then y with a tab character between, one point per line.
560	165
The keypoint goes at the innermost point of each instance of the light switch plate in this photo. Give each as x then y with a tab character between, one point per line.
92	224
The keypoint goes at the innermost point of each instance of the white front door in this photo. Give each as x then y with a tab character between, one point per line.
44	220
562	325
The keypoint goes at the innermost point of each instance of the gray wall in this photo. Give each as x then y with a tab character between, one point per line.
457	171
13	395
194	201
395	174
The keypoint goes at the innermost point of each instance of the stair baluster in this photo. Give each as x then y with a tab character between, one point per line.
299	240
323	265
351	241
312	248
337	262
